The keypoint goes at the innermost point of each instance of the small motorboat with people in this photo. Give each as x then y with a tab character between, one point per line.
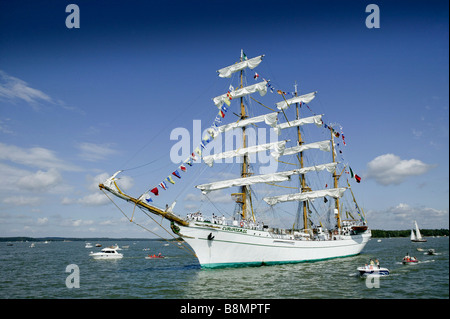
431	251
107	253
159	256
408	260
373	268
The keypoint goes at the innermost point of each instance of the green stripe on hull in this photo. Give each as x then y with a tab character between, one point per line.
266	263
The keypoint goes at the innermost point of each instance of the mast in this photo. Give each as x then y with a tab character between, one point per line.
301	176
335	178
244	168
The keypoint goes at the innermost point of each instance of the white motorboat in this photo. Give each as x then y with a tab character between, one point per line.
106	253
88	245
376	271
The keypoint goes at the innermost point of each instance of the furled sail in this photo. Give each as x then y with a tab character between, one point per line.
322	145
229	70
301	197
260	87
278	148
270	119
306	98
266	178
316	119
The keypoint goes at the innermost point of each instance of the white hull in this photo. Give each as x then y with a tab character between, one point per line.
106	257
107	253
234	246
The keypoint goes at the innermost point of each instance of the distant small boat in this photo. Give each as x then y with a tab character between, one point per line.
373	270
98	245
126	247
32	245
106	253
88	245
417	237
431	252
407	260
155	257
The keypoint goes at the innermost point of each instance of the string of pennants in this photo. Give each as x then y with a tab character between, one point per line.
207	138
211	134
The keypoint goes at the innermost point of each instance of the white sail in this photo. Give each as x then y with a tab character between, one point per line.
270	119
266	178
413	236
301	197
322	145
316	119
418	235
260	87
306	98
250	63
278	148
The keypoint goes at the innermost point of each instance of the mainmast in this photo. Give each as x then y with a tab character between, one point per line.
335	178
244	169
301	176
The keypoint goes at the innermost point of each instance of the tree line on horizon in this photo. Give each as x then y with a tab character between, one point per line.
380	233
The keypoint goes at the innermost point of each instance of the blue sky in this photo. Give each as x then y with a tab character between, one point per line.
76	105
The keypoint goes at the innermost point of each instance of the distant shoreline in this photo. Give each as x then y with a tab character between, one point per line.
376	233
68	239
379	233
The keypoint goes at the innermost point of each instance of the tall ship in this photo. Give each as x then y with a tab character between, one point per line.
305	183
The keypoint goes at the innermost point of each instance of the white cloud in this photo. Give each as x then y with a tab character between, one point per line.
22	201
12	88
42	221
403	215
95	152
95	196
76	223
40	181
34	157
95	199
391	169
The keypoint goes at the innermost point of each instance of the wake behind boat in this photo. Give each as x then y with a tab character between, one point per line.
328	223
377	271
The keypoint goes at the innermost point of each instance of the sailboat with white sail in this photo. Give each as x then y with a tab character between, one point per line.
417	237
323	228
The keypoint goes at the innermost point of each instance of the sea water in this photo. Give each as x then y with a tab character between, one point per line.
43	272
